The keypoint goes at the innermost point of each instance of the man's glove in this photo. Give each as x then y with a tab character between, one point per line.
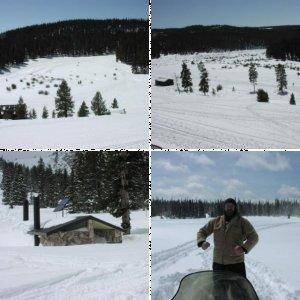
205	245
239	250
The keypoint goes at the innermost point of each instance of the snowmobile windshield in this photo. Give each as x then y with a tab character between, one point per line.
215	285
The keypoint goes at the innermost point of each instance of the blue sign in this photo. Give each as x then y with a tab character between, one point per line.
62	204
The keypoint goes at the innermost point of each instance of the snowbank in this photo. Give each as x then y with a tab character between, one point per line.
272	266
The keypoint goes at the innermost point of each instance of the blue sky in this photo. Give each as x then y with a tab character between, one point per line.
211	175
19	13
180	13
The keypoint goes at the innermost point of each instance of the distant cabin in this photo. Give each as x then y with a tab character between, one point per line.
82	230
164	82
8	111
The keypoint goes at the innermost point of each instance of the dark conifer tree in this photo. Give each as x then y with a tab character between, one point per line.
45	113
292	99
64	104
253	75
21	111
281	78
186	79
33	114
204	85
83	110
115	104
98	105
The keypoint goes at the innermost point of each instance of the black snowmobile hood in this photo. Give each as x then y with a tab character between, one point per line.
215	285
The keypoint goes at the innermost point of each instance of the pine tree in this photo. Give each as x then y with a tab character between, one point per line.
292	99
98	105
127	185
203	85
281	78
80	189
83	110
115	104
253	74
200	66
21	111
63	102
45	113
186	79
33	114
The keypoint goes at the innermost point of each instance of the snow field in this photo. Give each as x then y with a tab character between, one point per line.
98	271
230	119
272	266
96	73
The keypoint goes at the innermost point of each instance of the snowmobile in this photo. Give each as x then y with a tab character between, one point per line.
215	285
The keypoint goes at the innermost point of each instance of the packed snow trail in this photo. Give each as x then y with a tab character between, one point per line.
171	265
229	119
95	271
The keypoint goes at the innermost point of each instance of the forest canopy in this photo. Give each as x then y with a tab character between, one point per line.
127	38
281	42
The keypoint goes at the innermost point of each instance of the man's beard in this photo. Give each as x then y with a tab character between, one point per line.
229	214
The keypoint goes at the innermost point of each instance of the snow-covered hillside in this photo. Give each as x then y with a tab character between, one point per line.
229	119
272	266
85	76
98	271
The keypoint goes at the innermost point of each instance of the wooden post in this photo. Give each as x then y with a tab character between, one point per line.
124	193
25	210
91	230
36	214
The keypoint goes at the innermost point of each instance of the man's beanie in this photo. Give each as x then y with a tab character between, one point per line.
230	200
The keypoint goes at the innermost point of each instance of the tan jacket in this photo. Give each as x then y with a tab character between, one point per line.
239	232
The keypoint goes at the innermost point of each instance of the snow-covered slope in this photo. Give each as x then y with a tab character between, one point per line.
98	271
97	73
272	266
230	119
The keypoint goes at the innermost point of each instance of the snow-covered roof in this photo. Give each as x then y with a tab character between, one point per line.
78	220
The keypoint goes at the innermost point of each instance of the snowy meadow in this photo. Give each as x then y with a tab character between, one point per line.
37	82
229	115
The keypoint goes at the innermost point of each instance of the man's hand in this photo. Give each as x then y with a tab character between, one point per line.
238	250
205	245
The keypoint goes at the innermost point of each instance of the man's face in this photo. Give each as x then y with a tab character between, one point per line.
229	209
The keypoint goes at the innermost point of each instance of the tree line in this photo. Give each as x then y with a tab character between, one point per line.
64	107
284	49
281	42
114	182
262	95
127	38
188	208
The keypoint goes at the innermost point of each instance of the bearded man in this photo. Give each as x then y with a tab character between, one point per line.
234	236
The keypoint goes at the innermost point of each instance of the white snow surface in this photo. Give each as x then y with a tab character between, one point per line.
272	266
97	271
96	73
230	119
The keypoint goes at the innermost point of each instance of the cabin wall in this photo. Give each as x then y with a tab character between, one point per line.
80	237
110	235
66	238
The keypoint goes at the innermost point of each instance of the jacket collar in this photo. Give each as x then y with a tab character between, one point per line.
231	223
